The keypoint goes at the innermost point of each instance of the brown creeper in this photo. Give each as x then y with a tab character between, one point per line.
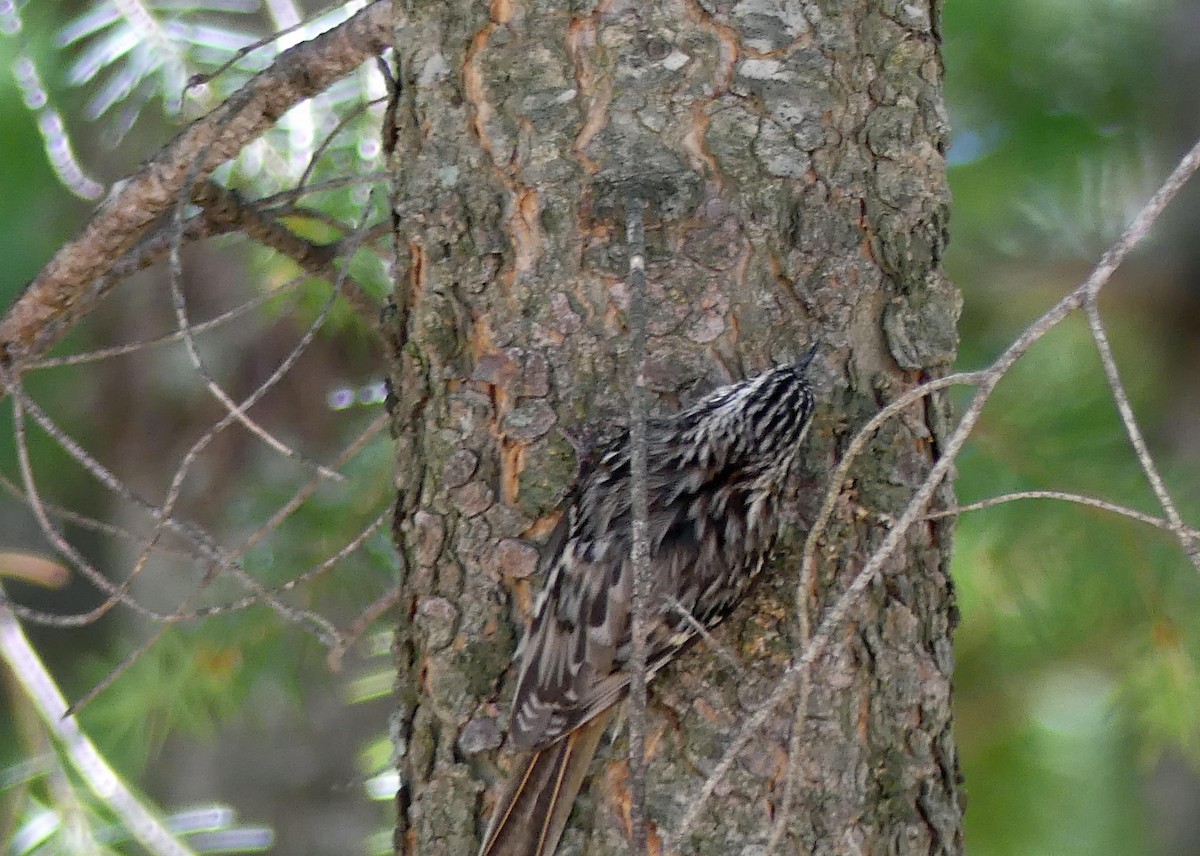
714	472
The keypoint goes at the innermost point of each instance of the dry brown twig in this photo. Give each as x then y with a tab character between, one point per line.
1064	496
207	551
222	212
239	311
234	410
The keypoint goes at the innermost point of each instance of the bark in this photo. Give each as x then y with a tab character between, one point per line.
792	158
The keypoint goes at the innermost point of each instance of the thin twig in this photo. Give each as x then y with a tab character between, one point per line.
169	338
306	490
91	523
64	548
360	625
201	78
337	129
1190	547
838	478
338	643
703	632
126	663
639	558
239	412
207	548
1078	499
335	641
175	279
180	615
306	576
289	196
327	633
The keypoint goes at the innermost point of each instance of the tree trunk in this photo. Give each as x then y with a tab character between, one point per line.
792	157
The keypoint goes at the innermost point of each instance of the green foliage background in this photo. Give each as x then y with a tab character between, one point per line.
1076	683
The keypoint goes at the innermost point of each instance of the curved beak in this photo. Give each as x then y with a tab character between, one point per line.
802	363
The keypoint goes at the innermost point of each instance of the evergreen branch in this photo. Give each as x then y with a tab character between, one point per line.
70	285
103	781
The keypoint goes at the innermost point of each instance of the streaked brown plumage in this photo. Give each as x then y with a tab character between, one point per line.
714	474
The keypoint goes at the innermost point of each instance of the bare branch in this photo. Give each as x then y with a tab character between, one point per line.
143	220
359	626
225	211
1190	546
334	640
1078	499
842	471
207	549
232	215
289	196
176	336
286	510
703	632
64	548
240	412
332	135
90	523
113	674
337	642
312	573
200	79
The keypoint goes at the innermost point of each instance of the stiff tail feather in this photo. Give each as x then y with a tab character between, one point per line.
537	799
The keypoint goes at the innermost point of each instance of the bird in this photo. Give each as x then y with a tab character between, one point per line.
715	474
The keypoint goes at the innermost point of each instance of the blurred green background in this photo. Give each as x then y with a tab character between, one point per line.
1078	699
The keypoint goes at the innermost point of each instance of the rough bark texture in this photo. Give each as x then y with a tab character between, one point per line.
792	156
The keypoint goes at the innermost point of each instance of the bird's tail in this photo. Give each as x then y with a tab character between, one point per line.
537	798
